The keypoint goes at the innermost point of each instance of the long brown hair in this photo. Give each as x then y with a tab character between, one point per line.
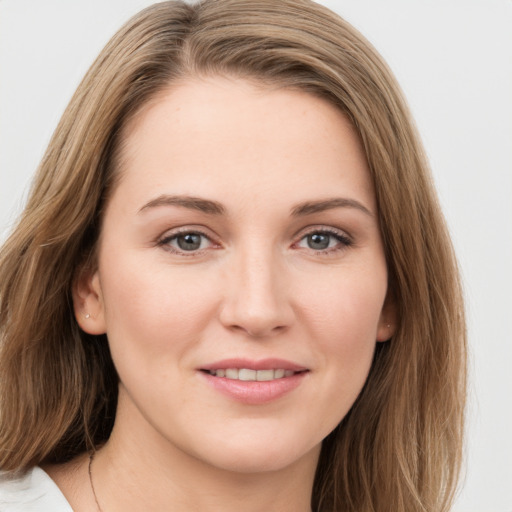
399	448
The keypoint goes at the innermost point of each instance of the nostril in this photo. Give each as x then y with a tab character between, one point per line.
259	331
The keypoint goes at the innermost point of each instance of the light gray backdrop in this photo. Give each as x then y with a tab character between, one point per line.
453	58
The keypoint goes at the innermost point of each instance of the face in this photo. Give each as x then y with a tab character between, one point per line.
241	278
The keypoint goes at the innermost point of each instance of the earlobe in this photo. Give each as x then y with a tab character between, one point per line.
388	320
385	332
88	303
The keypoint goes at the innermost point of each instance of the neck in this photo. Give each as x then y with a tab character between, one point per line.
127	480
133	472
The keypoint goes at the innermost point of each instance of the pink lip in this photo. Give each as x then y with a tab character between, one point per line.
254	392
263	364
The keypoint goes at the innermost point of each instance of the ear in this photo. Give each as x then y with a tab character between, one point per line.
88	302
388	319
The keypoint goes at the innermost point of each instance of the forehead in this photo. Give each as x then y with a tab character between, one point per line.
220	135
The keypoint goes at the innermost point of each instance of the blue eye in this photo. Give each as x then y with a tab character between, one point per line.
189	241
324	241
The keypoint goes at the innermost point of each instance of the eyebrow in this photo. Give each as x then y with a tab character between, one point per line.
214	208
193	203
310	207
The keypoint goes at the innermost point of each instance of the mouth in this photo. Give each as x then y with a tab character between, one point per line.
249	375
254	382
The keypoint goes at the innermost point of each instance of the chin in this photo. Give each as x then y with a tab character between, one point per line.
257	455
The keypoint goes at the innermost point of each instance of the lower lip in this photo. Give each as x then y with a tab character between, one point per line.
255	392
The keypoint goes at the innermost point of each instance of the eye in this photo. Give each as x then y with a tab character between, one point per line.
323	240
186	241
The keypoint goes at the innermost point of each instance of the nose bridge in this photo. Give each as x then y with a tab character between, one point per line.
256	299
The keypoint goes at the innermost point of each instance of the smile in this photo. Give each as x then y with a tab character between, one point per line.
246	374
254	382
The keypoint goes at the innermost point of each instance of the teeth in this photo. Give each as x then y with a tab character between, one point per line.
244	374
232	373
251	375
264	375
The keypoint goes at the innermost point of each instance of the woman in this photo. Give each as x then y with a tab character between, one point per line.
232	286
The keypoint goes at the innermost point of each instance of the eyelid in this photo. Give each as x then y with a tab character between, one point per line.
344	238
164	239
323	228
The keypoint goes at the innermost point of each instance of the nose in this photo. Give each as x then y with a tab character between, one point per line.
256	297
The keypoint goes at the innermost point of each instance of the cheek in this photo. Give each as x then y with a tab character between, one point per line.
154	310
343	317
345	307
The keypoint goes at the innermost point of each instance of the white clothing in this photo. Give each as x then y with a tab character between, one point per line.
34	491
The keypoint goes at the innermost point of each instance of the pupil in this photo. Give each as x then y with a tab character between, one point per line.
189	242
318	241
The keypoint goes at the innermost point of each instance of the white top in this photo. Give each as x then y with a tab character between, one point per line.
35	491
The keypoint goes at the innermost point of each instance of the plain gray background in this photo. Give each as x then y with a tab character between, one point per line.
453	59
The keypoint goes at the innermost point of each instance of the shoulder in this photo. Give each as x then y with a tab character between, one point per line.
30	492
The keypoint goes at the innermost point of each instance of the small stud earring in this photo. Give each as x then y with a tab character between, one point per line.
87	316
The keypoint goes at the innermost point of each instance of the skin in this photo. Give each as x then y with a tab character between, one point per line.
258	287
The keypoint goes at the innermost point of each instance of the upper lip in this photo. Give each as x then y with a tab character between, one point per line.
251	364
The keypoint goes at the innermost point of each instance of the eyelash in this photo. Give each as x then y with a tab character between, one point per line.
343	241
165	242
